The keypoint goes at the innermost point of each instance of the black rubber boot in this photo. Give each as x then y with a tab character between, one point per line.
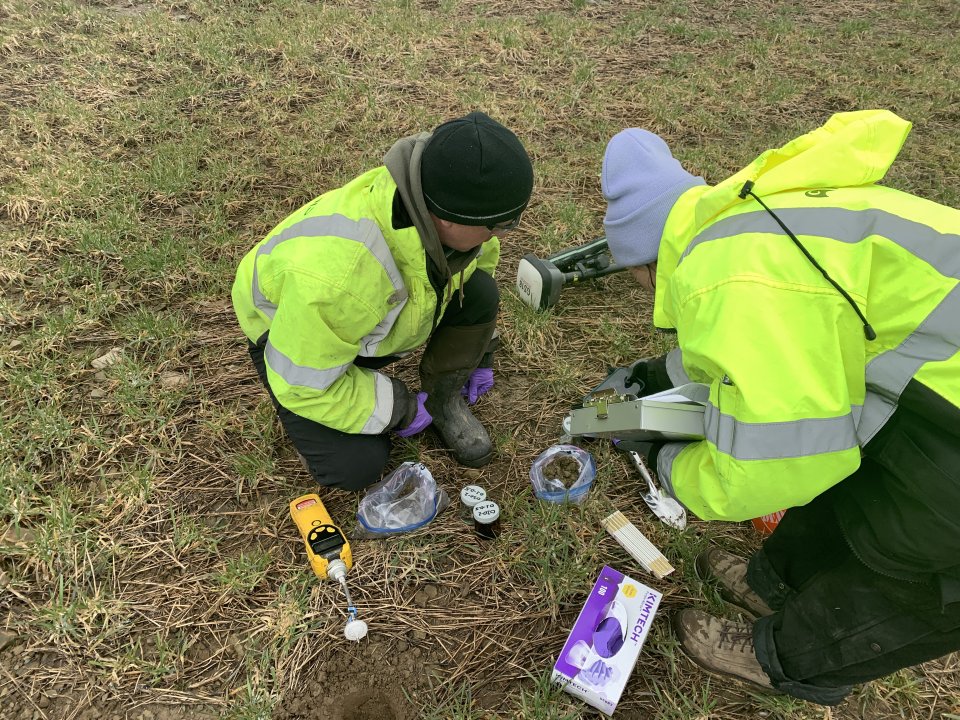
461	432
451	355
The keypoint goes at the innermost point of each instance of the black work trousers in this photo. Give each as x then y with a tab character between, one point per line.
353	461
838	622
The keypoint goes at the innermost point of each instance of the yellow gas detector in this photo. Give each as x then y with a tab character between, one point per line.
325	542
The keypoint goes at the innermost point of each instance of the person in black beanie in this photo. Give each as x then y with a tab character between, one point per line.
399	257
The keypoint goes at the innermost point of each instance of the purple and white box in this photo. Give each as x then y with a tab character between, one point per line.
603	646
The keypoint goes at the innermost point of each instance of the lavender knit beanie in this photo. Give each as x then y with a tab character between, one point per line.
641	181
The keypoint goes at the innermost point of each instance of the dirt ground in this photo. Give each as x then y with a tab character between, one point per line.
368	681
443	606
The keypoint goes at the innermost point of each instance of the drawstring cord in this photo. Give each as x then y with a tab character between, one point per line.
868	331
450	289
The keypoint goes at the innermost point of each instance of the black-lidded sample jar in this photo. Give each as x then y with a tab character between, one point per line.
469	497
486	519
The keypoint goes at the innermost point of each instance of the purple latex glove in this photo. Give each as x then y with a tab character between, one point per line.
608	637
420	420
480	383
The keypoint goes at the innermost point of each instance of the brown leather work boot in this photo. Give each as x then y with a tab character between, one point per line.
721	646
730	572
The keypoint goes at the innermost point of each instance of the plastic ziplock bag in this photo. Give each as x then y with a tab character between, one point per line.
407	499
553	489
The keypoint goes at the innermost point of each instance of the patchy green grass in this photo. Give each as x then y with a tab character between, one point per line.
148	559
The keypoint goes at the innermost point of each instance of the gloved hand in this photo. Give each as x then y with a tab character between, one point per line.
480	383
646	449
420	421
642	377
625	380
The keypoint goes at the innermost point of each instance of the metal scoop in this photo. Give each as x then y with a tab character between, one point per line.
664	507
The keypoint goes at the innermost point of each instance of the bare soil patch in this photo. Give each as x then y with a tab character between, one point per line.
363	682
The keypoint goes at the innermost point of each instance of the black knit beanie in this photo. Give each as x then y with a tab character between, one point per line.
474	171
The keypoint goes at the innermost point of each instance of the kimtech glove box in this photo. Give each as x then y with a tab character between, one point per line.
606	640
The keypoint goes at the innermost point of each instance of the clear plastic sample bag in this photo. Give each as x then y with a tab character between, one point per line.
407	499
556	479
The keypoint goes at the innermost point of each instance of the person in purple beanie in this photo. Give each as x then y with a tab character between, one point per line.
820	308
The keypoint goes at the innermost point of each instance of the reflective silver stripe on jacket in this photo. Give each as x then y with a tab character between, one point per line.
776	441
337	225
678	376
937	338
383	405
364	231
668	453
938	249
301	375
322	379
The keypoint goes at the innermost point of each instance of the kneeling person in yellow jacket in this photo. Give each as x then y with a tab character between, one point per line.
399	257
821	309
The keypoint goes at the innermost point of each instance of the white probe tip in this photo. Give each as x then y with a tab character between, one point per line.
355	630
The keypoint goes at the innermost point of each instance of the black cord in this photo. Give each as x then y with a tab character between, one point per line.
868	331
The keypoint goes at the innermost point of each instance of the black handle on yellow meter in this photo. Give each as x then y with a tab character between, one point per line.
324	540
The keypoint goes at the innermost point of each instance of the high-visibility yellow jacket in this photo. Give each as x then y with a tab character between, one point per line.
335	281
795	387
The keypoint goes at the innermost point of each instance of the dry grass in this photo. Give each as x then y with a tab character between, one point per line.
149	566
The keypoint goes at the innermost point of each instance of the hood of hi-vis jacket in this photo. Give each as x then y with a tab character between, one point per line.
334	281
795	387
850	150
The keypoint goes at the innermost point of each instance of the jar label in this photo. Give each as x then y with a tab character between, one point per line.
487	511
472	494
